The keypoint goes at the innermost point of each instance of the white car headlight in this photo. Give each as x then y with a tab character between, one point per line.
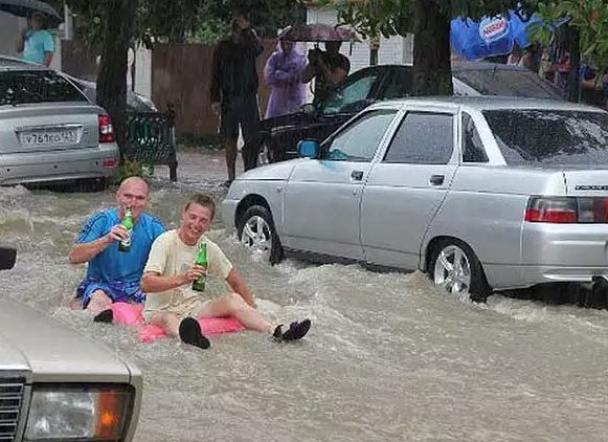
58	412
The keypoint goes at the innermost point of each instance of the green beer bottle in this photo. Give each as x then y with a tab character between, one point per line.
201	260
127	223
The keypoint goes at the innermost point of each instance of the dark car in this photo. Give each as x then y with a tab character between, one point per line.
278	137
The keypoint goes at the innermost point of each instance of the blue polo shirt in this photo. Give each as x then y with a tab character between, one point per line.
36	44
112	265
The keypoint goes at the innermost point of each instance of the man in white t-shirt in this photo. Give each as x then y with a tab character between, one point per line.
168	275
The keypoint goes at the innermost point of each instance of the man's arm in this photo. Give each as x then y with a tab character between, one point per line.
308	73
86	251
21	41
153	282
48	57
237	284
334	77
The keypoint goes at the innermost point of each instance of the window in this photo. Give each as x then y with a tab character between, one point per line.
508	81
398	83
24	87
423	138
352	98
360	140
472	147
550	137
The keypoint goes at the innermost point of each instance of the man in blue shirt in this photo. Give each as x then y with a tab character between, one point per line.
112	275
36	43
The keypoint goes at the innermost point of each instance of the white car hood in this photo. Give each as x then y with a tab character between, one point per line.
32	341
272	172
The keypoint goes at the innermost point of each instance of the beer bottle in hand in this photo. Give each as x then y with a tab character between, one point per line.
201	260
127	222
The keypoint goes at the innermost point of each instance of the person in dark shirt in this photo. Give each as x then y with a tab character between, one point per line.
329	68
234	87
592	90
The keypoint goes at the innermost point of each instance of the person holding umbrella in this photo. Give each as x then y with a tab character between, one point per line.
329	68
36	43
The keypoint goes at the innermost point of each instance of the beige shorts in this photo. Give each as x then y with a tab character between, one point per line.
194	309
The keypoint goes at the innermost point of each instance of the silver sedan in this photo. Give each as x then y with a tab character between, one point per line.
50	132
483	193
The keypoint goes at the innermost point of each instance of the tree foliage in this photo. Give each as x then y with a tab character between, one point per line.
590	17
181	21
429	20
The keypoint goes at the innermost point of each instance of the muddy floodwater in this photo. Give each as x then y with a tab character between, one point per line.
388	358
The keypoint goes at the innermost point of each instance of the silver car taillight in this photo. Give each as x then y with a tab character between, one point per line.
567	210
106	131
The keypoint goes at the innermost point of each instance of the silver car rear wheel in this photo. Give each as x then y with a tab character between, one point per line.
454	266
453	270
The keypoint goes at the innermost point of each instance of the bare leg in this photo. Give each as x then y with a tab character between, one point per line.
231	153
99	302
234	305
187	329
168	322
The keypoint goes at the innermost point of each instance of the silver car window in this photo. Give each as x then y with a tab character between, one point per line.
360	140
472	146
25	87
423	138
550	137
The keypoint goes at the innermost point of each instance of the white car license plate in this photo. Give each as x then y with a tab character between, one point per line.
49	138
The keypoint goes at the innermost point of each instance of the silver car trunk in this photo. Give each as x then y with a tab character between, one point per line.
588	182
44	127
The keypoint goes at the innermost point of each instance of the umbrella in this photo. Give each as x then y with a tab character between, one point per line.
25	8
318	32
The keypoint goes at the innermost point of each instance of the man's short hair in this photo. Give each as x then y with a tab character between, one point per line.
202	200
39	16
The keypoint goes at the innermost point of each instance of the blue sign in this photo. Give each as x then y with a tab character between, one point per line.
491	36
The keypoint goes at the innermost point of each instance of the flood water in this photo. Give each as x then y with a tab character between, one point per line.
388	358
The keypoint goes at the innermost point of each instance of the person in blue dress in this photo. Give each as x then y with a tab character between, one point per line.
35	43
112	275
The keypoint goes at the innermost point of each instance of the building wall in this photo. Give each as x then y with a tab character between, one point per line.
9	31
143	72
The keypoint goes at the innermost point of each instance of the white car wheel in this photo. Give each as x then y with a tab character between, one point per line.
256	231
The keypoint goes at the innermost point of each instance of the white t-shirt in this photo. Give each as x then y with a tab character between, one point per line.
169	256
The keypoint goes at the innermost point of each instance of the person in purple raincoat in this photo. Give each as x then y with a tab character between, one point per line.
282	74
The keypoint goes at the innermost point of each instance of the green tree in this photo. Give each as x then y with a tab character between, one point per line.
589	17
110	30
429	21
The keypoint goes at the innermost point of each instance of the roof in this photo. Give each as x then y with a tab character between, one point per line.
490	102
16	64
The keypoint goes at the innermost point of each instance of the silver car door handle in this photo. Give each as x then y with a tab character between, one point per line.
436	180
356	175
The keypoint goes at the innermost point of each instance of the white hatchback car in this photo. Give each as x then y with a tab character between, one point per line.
50	132
480	192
